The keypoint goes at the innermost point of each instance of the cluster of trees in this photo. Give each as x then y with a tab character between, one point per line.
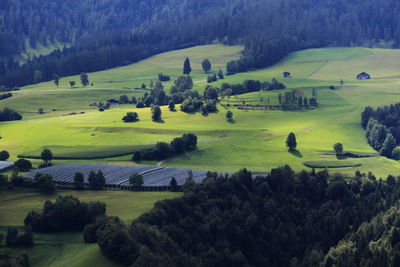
179	145
163	78
156	96
8	114
215	76
249	86
7	259
66	213
295	99
5	96
376	243
282	219
382	129
14	239
191	105
131	117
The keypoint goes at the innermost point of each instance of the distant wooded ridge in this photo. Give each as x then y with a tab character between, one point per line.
107	34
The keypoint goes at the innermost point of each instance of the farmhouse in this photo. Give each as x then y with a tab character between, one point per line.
287	75
113	102
363	76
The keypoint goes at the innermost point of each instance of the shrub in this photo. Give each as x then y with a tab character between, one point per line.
23	165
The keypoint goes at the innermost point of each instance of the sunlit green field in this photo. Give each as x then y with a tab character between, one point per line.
68	249
255	140
118	81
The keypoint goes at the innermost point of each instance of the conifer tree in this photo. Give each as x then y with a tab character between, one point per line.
186	67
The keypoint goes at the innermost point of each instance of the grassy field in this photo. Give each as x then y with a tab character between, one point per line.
256	139
68	249
118	81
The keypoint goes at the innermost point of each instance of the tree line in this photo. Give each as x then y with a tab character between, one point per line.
282	219
97	38
162	150
382	129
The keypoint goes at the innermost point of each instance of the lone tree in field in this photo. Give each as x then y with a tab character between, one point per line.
46	155
171	105
72	83
291	142
206	65
186	67
229	115
56	79
338	148
136	179
84	79
156	113
131	117
4	155
79	180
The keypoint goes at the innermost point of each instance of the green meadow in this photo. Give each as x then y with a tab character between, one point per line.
255	139
68	249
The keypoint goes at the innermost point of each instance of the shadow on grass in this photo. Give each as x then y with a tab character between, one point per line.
341	157
296	153
232	121
159	121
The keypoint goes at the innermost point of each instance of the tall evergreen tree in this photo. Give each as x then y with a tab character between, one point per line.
186	67
291	141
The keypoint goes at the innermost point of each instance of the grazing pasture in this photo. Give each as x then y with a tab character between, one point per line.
254	139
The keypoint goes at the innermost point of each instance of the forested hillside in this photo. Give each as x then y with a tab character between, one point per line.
106	34
283	219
